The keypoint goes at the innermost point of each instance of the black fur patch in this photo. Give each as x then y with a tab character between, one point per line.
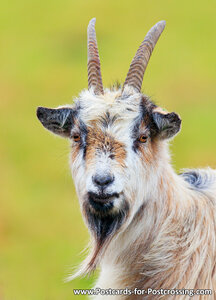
102	203
146	107
198	180
167	124
103	208
60	120
84	132
135	133
103	226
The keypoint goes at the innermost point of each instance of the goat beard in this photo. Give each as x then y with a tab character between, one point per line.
103	228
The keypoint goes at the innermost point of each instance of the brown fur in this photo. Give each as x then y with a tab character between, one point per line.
99	140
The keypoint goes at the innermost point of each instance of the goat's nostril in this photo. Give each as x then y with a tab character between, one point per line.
103	180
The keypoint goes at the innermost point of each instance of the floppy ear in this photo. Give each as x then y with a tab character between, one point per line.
58	120
167	124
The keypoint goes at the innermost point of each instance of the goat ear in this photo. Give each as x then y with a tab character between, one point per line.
167	124
58	120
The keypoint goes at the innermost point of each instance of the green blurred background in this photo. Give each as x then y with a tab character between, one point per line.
43	62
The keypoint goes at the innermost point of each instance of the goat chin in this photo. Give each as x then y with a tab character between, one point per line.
104	220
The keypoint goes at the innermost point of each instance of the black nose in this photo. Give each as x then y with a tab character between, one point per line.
103	180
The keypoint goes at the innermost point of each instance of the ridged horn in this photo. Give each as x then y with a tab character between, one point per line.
94	72
140	61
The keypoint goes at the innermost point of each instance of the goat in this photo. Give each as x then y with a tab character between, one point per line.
150	228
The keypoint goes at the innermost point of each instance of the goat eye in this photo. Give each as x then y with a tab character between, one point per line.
76	137
143	139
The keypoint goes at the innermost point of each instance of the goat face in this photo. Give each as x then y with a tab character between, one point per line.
117	138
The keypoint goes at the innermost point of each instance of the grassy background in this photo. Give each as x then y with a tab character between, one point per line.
43	62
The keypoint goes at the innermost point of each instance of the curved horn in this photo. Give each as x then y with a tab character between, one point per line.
94	72
140	61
